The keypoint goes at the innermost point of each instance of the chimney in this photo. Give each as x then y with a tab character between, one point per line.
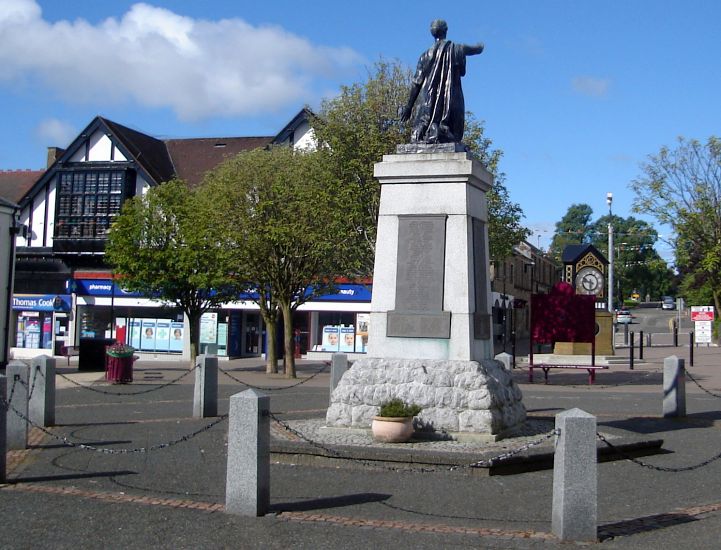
53	155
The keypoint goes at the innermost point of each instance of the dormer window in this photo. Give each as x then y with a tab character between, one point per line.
86	203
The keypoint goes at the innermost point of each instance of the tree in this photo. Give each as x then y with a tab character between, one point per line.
681	187
160	247
280	216
574	228
358	127
361	124
637	264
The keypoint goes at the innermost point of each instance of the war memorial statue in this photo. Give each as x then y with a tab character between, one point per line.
430	340
441	110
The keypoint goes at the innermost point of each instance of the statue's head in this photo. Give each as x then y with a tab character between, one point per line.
439	28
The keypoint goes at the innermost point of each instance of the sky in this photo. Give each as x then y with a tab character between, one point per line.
577	94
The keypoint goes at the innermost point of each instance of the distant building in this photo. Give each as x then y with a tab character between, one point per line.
65	292
527	271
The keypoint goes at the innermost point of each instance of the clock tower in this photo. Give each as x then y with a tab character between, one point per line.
586	269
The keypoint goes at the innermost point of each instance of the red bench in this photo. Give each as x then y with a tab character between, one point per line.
548	366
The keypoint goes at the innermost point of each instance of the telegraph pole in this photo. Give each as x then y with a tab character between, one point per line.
609	201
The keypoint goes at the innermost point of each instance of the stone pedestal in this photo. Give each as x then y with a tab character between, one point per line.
431	284
454	396
430	340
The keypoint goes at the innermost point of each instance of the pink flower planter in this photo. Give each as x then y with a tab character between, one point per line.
392	429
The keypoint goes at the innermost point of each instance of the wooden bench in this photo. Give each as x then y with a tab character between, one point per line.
69	351
548	366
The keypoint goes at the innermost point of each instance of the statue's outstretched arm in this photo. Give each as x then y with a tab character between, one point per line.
474	49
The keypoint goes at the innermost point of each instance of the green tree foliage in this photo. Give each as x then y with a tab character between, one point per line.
681	187
279	214
574	228
637	265
160	247
361	124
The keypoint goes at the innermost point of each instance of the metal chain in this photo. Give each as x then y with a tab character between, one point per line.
605	386
305	380
150	390
107	450
657	468
700	386
9	400
332	453
503	456
35	380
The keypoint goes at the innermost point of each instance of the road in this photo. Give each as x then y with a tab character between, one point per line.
652	320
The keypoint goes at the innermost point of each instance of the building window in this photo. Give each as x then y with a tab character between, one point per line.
88	200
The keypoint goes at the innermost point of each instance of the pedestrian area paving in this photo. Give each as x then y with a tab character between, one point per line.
121	494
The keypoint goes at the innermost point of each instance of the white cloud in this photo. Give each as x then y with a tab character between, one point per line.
55	132
591	86
152	56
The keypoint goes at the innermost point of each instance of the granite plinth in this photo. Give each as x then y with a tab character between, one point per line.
455	396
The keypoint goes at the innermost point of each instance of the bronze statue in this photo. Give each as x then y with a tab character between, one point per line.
440	114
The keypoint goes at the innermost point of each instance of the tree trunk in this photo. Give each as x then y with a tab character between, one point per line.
271	347
289	359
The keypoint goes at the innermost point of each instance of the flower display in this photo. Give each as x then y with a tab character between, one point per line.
119	349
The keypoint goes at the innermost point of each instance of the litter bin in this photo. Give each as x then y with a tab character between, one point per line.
119	364
91	356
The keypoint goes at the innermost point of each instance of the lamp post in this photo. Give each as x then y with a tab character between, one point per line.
609	201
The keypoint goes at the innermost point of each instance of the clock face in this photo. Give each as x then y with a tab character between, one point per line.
589	280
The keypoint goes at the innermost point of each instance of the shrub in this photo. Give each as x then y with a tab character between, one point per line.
397	407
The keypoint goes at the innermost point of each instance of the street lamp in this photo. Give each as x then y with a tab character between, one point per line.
609	201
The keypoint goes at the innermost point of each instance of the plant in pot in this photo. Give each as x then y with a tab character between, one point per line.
394	423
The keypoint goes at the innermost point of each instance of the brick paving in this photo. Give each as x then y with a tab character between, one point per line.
635	384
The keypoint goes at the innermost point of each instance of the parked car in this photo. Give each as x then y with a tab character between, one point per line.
668	303
624	317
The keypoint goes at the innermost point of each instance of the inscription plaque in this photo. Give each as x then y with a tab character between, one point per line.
419	279
481	319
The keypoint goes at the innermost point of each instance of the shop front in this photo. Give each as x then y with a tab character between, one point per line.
101	309
40	324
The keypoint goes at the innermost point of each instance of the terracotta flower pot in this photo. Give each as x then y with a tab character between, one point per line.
392	429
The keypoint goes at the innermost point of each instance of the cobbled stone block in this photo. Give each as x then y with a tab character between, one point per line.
575	472
455	396
674	387
17	374
247	491
41	408
3	434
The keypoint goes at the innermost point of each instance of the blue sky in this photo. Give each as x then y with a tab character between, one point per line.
576	93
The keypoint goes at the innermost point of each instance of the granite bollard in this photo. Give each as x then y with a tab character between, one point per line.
338	366
574	513
247	487
506	359
3	433
205	394
41	407
17	374
674	387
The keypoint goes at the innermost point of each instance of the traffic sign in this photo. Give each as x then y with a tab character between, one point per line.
702	313
702	332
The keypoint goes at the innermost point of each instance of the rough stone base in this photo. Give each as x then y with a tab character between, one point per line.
456	396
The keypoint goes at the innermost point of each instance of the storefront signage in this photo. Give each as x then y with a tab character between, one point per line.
104	287
101	287
45	302
348	293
